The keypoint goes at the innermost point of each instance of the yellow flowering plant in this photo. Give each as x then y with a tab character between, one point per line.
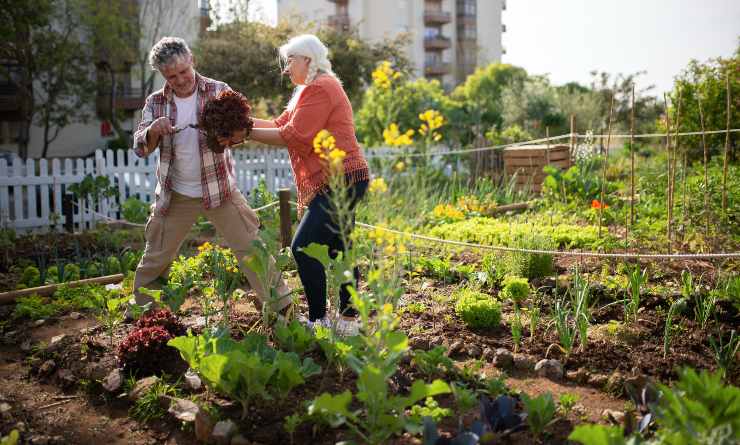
378	186
395	138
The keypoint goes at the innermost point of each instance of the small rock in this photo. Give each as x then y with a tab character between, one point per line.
192	381
113	381
20	426
194	322
40	440
142	386
38	323
75	315
240	440
56	339
488	354
578	376
419	343
47	367
523	362
597	380
615	417
549	368
455	348
615	383
474	351
203	426
579	410
26	345
95	371
503	359
223	431
5	408
183	409
66	378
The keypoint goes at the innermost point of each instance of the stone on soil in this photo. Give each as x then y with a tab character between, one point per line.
549	368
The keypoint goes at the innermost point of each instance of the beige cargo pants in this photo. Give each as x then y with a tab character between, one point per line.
234	220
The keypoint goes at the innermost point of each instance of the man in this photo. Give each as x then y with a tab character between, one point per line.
192	180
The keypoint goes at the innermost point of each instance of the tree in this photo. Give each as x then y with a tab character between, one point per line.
479	99
647	108
707	82
245	55
44	41
532	105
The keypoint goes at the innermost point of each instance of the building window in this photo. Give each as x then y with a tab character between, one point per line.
432	32
467	32
432	58
467	7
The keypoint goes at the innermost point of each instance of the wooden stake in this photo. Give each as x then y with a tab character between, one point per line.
606	159
672	171
706	167
547	150
573	140
9	297
727	149
286	225
668	163
632	158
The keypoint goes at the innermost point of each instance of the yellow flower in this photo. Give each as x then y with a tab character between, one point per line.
383	75
378	185
431	120
400	166
336	157
446	211
205	247
393	136
389	250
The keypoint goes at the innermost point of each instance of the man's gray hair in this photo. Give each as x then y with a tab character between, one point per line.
167	51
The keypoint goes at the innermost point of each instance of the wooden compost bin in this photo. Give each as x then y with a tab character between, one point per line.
527	162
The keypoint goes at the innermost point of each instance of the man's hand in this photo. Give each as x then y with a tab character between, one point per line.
159	128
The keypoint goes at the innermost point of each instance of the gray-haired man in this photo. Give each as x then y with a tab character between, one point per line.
192	180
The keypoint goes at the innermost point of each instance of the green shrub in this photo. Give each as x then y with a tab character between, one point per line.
521	264
34	307
477	309
495	232
134	210
112	265
699	409
31	277
515	289
75	298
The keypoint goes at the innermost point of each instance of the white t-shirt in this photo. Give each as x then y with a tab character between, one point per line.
186	165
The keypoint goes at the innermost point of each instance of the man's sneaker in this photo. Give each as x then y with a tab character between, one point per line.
325	322
347	326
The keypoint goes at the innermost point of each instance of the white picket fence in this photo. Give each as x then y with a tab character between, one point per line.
31	191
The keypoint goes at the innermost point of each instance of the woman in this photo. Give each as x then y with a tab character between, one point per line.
318	103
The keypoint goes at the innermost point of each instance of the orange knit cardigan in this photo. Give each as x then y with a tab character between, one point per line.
322	105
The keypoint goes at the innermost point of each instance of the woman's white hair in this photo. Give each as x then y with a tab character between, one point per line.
308	45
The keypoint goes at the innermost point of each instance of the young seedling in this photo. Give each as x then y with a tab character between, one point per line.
675	309
637	279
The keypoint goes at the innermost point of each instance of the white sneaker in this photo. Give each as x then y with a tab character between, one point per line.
325	322
347	326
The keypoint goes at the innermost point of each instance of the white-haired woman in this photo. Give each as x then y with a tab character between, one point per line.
318	103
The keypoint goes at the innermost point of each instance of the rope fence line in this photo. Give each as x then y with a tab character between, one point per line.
582	254
548	139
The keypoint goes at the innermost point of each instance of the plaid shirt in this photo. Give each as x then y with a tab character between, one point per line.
217	174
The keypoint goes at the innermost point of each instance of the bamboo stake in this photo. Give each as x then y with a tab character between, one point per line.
632	158
684	204
706	167
727	149
9	297
572	136
606	158
668	165
672	178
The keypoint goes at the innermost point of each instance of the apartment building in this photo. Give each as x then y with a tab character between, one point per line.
157	18
449	38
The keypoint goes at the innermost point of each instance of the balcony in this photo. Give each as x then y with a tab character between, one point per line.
9	97
503	27
437	43
464	19
436	17
437	68
339	21
130	99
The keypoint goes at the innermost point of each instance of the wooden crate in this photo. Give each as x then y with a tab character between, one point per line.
527	162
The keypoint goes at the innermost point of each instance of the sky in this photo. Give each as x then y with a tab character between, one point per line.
567	39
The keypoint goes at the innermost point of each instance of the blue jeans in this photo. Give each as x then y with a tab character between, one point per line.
319	226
